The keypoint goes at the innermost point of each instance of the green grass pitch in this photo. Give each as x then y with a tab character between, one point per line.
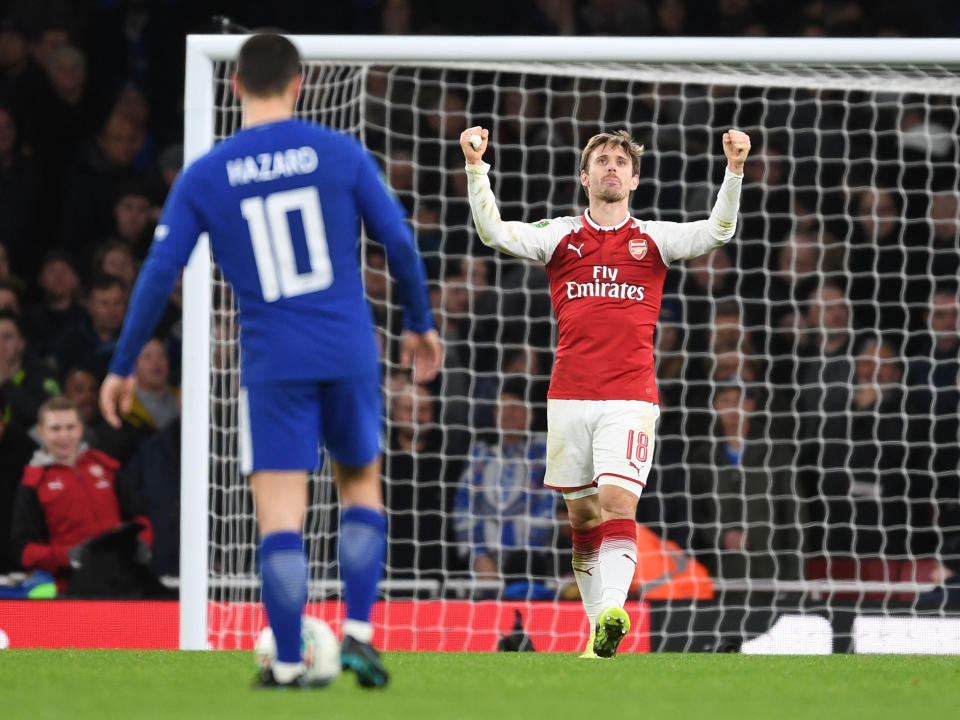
106	684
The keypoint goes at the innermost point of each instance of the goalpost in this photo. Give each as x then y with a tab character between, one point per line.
850	184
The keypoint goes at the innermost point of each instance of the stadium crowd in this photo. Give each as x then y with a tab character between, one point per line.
808	373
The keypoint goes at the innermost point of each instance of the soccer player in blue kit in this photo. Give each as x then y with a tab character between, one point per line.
282	202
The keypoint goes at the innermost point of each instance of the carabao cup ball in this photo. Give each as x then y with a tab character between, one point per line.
319	651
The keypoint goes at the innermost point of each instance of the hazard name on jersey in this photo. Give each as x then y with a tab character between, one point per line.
604	285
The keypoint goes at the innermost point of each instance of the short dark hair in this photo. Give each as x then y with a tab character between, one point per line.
516	386
105	281
266	64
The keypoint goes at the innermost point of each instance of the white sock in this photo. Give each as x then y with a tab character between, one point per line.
618	561
358	630
284	672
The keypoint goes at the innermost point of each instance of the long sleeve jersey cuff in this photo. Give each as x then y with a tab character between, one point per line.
723	219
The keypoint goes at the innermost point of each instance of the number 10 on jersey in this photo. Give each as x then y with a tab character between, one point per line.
268	219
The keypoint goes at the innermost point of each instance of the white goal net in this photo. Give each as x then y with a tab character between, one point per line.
807	456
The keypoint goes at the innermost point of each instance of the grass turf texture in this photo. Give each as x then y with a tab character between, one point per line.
104	684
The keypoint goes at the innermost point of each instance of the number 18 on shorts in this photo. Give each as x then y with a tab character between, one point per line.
600	442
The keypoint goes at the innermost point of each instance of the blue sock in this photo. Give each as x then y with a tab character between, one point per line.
363	545
283	574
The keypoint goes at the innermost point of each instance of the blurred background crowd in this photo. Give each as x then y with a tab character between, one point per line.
814	365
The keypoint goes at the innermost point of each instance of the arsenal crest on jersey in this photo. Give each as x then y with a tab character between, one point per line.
638	247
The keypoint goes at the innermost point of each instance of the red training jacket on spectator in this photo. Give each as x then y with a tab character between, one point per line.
77	503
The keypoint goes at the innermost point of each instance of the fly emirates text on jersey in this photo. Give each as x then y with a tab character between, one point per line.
604	285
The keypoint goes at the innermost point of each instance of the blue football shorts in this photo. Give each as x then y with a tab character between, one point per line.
283	425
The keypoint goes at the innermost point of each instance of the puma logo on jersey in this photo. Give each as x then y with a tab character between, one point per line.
576	249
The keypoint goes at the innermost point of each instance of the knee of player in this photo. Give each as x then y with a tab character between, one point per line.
617	503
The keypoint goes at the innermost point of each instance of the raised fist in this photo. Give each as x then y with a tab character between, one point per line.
474	155
736	146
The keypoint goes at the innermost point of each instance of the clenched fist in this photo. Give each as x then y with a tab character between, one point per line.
474	155
736	146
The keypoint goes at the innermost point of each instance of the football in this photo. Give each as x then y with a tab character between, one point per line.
319	650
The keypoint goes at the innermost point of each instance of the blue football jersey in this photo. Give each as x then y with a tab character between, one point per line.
282	203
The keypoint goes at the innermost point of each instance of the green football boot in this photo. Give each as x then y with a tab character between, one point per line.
612	626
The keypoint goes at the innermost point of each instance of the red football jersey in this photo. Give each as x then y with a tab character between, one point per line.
606	284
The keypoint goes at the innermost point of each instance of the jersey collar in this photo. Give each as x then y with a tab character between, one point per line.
610	228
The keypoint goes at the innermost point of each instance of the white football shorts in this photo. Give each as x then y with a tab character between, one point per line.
599	442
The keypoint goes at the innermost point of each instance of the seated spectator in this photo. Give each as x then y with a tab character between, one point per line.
745	508
154	474
81	387
25	382
59	307
15	452
69	496
133	218
505	520
933	375
91	344
890	504
422	473
155	405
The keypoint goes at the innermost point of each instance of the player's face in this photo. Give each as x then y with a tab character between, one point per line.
609	176
61	431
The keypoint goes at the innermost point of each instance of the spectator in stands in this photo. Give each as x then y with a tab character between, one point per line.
50	37
709	278
933	376
155	405
824	375
934	259
115	257
91	344
69	496
16	448
131	103
505	520
154	474
133	213
89	186
452	384
891	503
4	262
82	388
58	307
422	471
745	507
876	259
25	382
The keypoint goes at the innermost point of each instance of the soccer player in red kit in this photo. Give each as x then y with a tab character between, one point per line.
606	272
